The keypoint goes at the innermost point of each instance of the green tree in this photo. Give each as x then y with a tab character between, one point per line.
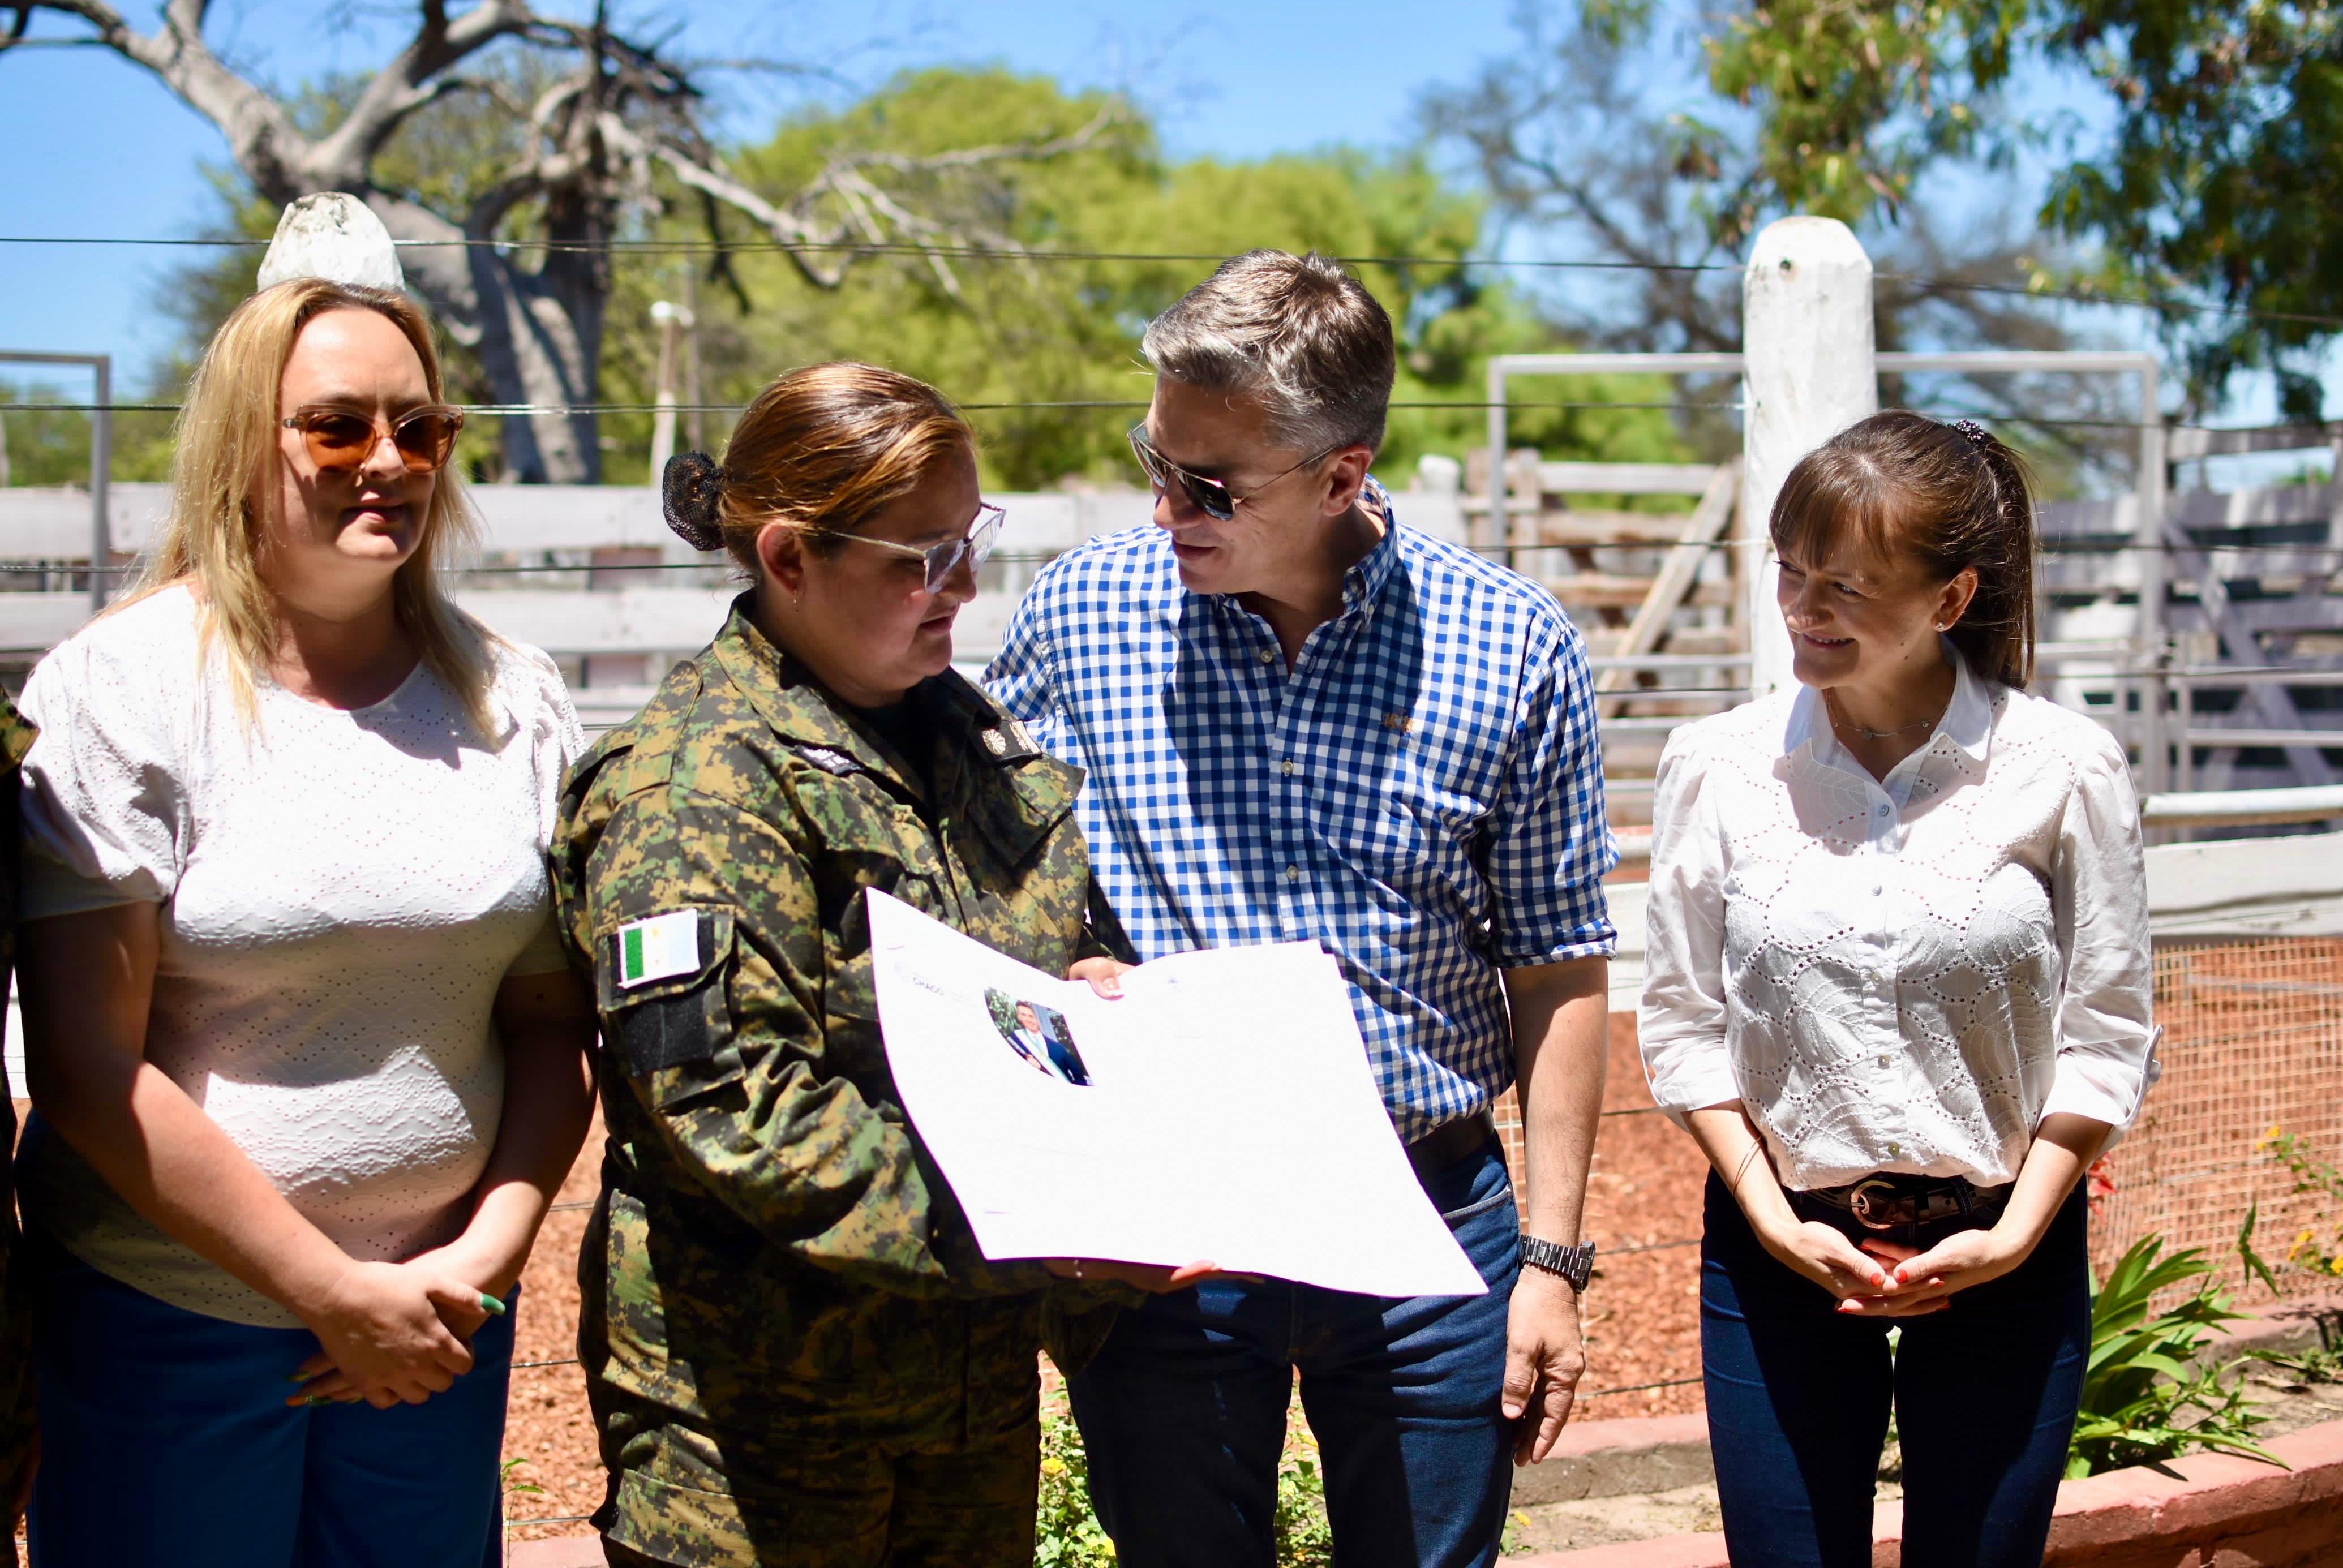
1038	333
1141	230
2214	193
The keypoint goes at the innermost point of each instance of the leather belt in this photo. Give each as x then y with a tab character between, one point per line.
1444	1145
1884	1201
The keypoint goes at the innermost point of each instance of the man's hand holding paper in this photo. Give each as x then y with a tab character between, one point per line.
1146	1127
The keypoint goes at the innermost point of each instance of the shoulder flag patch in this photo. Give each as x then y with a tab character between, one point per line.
659	948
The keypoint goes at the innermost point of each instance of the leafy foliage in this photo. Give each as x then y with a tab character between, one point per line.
2310	1251
2215	191
1057	338
2150	1393
1067	1533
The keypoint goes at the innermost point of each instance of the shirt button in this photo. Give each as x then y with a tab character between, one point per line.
1879	810
1293	873
1262	656
1895	1151
1882	1061
1878	888
1286	766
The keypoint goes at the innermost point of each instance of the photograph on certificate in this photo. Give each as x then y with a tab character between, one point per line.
1040	1035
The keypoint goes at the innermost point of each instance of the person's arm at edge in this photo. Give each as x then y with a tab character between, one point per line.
1561	1016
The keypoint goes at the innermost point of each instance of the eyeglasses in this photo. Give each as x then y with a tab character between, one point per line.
342	439
1211	496
942	560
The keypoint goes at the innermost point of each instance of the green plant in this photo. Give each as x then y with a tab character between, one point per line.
2311	1252
1067	1533
2148	1392
511	1487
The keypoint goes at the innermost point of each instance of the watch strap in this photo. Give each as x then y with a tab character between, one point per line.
1574	1263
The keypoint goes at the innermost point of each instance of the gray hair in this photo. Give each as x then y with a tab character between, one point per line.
1299	334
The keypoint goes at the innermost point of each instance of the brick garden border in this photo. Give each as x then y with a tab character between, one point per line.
2207	1509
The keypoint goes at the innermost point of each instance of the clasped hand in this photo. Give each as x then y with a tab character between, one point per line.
1882	1279
390	1334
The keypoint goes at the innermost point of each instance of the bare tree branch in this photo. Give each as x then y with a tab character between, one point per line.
405	85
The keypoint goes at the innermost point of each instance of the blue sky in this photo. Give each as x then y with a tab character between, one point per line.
112	153
103	149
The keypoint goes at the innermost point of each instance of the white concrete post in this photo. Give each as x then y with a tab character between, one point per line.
668	318
1809	374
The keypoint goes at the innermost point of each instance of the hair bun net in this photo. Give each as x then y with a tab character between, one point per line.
688	493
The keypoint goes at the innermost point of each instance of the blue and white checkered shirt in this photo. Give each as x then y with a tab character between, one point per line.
1422	793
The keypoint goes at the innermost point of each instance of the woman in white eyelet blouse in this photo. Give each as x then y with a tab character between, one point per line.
1897	989
306	1052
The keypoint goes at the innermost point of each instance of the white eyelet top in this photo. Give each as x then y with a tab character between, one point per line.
341	893
1907	975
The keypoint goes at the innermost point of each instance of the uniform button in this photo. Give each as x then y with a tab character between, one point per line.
1286	766
1895	1151
1876	889
1882	1061
1293	873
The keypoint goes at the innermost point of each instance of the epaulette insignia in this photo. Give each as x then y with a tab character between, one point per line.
996	742
836	763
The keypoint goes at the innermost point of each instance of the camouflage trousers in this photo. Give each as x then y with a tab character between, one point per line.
957	1500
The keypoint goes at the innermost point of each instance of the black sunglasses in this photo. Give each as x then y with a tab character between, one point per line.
1211	496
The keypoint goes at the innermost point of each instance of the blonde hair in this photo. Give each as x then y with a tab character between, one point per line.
223	486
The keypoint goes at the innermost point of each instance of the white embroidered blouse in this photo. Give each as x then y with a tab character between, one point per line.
1907	975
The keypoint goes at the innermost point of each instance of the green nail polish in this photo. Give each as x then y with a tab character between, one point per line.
491	1305
317	1398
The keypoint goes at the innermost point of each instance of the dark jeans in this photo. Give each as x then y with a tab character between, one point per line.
167	1442
1183	1412
1798	1397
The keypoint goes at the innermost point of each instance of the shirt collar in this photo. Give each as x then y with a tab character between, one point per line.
1365	580
1364	583
1966	723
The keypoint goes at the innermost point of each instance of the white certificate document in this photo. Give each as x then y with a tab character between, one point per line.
1222	1110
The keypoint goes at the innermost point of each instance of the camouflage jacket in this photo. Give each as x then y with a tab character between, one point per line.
775	1258
15	1315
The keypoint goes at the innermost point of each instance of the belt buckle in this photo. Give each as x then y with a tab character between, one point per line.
1862	1205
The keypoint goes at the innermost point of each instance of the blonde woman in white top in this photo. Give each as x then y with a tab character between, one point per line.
307	1061
1898	992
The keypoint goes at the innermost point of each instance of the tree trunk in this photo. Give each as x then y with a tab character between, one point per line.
537	336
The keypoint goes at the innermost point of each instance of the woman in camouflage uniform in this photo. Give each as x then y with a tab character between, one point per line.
794	1350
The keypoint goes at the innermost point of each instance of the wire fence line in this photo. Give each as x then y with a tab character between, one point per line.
1024	254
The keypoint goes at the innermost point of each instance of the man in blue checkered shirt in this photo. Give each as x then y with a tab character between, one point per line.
1302	719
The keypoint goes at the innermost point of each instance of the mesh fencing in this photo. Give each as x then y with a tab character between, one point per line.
2253	1043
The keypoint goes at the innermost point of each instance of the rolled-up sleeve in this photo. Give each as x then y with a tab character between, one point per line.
1550	846
1680	1026
2107	1028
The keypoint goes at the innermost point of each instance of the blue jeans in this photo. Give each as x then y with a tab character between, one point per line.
165	1441
1182	1412
1798	1395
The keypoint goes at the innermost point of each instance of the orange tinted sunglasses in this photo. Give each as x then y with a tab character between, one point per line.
341	438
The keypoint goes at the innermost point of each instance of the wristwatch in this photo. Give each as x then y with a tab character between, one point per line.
1574	1263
